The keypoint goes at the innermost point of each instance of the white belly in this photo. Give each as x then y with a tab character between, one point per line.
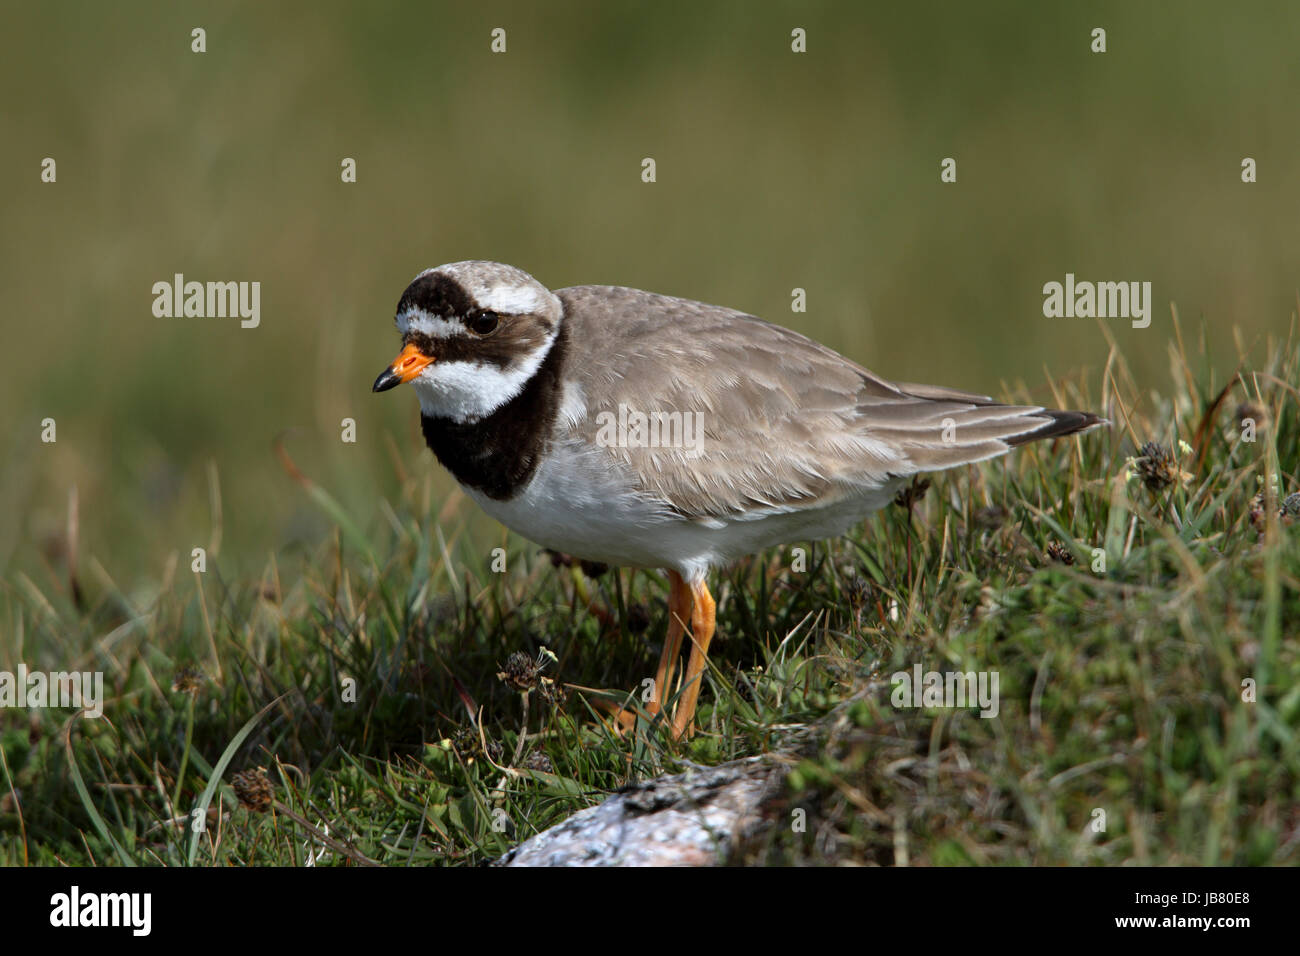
575	504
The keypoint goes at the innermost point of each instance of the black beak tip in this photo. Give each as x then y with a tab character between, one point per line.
386	381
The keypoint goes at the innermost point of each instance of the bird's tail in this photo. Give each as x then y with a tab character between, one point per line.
948	427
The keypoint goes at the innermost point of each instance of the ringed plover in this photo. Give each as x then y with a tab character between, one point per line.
550	408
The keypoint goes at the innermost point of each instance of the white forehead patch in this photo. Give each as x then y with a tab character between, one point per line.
416	319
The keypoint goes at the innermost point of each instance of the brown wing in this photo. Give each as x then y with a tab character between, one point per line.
784	421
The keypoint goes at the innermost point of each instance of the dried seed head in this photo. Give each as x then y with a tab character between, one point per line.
254	790
538	761
520	672
1156	466
1290	507
187	680
913	493
1288	512
469	744
465	739
1057	551
857	589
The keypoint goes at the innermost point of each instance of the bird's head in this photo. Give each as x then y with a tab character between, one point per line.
473	334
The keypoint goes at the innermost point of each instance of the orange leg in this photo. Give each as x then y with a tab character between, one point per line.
679	612
703	622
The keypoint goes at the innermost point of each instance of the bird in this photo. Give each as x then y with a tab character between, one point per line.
642	430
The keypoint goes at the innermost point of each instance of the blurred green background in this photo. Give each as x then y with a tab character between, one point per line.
775	171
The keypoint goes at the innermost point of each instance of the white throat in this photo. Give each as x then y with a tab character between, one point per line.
468	391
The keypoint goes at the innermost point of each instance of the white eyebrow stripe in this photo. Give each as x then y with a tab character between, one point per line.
511	299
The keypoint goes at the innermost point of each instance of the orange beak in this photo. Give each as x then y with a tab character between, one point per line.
408	364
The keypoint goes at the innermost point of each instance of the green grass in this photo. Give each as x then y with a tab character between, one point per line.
1120	692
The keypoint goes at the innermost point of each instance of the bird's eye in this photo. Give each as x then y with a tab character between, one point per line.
483	322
